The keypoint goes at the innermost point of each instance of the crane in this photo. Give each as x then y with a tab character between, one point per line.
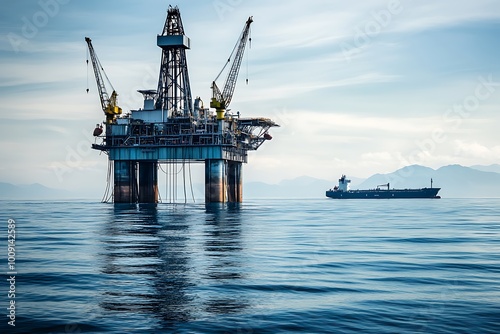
220	100
108	103
384	185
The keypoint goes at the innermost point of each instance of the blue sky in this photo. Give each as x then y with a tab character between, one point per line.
359	88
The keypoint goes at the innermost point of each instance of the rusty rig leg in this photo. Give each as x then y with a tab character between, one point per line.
125	182
148	182
235	182
215	181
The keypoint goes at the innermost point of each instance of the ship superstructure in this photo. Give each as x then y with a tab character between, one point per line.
343	191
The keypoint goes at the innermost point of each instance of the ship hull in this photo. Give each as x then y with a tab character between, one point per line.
380	194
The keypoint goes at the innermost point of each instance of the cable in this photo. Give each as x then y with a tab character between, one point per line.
168	182
171	180
102	68
191	182
159	192
249	47
107	196
175	182
169	172
87	70
231	55
184	179
184	176
103	200
226	185
169	193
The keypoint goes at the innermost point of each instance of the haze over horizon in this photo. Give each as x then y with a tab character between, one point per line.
357	88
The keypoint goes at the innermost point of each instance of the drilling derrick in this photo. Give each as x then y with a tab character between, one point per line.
170	129
174	92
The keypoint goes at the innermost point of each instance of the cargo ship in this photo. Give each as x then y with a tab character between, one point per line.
342	191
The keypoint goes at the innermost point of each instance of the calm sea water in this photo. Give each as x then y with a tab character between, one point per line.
277	266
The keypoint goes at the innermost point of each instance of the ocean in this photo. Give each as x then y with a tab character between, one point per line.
263	266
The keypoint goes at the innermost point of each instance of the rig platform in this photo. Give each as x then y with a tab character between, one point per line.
171	129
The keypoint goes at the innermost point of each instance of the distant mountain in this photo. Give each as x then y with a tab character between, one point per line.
491	168
455	181
415	176
355	181
33	191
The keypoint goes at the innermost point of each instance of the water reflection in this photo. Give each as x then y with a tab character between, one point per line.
146	263
176	263
223	248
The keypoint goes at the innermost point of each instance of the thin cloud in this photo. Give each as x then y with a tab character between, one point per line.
338	112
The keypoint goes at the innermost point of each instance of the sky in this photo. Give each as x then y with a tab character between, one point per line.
358	87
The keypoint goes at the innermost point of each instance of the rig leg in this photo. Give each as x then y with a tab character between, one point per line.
215	181
148	182
125	182
235	182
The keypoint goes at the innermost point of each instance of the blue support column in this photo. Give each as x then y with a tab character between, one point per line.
215	181
148	182
234	181
125	182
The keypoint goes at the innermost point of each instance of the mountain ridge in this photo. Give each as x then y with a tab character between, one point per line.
455	181
33	191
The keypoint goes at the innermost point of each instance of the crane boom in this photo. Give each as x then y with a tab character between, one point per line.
221	100
108	103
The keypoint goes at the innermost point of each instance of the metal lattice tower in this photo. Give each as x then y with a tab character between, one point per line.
174	91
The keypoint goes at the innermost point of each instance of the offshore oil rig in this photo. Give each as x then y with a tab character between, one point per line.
171	129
